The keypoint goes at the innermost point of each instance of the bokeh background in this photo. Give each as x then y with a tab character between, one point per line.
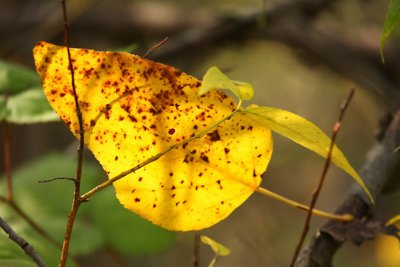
303	56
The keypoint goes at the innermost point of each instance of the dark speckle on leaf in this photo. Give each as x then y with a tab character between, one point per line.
214	136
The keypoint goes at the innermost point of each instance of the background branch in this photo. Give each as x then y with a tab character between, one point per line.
29	250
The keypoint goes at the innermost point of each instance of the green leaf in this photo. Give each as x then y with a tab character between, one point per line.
214	79
125	231
16	263
15	78
30	106
3	107
304	133
219	249
392	18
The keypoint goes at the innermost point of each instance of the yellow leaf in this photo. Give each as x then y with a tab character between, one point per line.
134	109
305	133
387	251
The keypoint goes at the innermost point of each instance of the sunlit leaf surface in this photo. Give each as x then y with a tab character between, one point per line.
134	109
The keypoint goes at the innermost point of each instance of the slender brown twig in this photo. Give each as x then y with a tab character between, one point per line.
196	251
317	191
29	250
156	46
76	200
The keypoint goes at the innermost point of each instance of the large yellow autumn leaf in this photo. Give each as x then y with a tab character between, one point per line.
133	109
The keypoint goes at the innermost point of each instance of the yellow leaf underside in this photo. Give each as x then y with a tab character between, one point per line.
133	109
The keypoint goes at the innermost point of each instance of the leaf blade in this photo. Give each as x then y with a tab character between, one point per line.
214	79
304	133
30	106
15	78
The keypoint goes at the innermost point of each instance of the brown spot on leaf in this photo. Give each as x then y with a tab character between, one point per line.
204	158
214	136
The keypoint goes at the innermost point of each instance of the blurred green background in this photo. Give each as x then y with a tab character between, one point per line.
303	56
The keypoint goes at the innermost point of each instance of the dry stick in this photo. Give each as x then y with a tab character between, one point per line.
29	250
154	47
196	251
77	200
317	191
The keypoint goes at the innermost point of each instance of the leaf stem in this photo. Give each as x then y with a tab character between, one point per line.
337	217
200	134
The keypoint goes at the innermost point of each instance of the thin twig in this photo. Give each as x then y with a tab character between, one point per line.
317	191
29	250
56	179
196	251
156	46
76	201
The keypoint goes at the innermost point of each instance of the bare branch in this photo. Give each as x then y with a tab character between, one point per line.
318	189
77	199
29	250
376	172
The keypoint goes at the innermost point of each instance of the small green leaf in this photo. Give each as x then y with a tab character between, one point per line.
392	18
214	79
219	249
30	106
15	78
304	133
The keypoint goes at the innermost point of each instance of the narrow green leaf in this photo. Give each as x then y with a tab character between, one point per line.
304	133
30	106
218	248
15	78
392	18
214	79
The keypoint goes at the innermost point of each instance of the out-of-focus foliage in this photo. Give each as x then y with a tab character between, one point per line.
392	18
21	98
101	222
